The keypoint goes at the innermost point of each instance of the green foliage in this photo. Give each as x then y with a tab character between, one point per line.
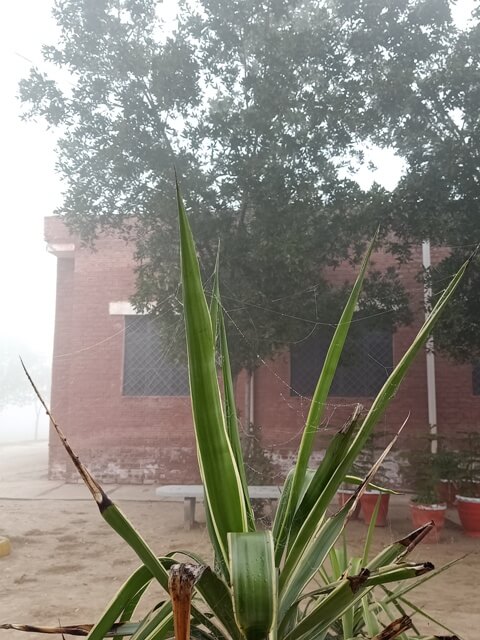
422	472
457	334
447	462
261	106
259	466
438	195
469	476
261	585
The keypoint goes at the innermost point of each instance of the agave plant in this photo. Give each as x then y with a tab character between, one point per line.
288	583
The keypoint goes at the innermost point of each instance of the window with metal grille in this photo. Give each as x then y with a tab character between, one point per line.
364	366
476	378
149	368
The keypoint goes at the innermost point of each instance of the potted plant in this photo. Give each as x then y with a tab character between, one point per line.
468	497
370	498
422	475
447	463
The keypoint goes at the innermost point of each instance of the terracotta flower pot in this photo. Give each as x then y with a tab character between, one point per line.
469	513
343	496
424	513
368	502
446	492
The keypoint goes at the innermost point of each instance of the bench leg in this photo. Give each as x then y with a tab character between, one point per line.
189	513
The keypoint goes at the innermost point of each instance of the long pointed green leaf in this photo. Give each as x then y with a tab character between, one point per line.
157	623
218	467
431	618
349	590
254	583
119	523
218	597
283	505
399	549
109	511
319	399
394	380
370	618
399	572
310	548
208	622
394	553
280	514
427	616
303	571
333	457
220	561
231	415
405	589
356	480
376	411
215	300
332	607
231	419
370	532
129	610
135	582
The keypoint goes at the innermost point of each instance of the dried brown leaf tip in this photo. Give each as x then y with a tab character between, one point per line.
395	628
357	581
71	630
415	537
181	582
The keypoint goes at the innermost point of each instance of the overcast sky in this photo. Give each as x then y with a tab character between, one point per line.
30	188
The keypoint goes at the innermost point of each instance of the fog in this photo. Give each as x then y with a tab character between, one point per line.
31	190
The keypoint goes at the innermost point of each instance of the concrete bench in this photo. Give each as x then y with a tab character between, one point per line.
190	493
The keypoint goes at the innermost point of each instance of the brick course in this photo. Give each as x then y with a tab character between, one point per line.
150	439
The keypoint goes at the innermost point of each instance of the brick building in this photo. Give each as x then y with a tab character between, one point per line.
125	406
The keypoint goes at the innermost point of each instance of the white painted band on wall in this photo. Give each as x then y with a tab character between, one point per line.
123	308
61	250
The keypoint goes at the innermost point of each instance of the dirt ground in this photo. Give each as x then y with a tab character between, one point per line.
66	563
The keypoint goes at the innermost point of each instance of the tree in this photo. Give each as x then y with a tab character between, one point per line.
438	198
259	105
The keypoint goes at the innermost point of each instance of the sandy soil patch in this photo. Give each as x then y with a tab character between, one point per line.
66	563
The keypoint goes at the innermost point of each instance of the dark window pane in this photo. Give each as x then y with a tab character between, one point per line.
149	367
364	366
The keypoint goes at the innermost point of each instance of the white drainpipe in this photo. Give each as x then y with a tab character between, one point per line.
431	383
249	400
251	417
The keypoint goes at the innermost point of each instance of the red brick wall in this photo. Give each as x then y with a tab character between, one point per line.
150	439
129	439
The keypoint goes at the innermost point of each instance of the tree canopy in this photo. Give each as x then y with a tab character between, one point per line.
261	106
439	195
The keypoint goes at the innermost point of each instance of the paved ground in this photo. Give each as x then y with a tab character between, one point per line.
23	476
66	563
